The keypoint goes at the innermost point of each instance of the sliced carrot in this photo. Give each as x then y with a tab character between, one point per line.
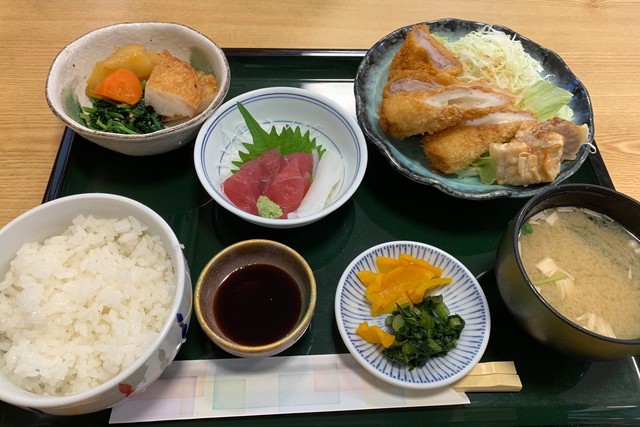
122	86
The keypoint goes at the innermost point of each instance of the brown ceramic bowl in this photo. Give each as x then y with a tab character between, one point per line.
522	299
255	298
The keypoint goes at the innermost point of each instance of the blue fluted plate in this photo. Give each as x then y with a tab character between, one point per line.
463	296
407	156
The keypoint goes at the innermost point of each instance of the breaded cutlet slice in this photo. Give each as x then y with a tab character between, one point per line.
457	147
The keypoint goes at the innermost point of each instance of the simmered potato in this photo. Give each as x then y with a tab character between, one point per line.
134	57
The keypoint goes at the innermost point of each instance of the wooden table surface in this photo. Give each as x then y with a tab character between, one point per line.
597	38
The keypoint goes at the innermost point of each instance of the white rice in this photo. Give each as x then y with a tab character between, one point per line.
79	308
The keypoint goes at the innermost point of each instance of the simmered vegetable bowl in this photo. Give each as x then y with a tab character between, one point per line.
67	82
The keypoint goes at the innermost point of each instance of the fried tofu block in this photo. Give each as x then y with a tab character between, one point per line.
208	88
457	147
172	89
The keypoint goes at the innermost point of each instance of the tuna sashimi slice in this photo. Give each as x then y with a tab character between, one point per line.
305	160
245	186
289	186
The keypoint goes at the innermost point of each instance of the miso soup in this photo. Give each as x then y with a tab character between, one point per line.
587	266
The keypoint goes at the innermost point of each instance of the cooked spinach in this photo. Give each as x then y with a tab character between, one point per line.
109	116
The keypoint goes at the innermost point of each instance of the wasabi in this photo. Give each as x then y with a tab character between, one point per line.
267	208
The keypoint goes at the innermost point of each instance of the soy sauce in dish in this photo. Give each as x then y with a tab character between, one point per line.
257	304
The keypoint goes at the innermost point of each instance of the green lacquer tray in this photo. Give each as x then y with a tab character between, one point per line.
387	206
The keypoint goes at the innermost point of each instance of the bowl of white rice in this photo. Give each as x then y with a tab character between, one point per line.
95	300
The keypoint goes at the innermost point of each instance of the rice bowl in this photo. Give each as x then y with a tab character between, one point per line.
102	283
113	328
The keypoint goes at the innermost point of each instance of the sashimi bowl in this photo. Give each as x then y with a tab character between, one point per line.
455	287
139	48
95	296
306	156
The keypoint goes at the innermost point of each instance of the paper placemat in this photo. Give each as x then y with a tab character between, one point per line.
274	385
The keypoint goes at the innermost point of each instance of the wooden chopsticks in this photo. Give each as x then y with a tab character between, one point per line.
490	376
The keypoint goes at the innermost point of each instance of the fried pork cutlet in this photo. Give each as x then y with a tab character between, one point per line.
532	157
172	88
415	81
421	50
428	111
457	147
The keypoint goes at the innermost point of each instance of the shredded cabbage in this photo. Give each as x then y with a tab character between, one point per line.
492	56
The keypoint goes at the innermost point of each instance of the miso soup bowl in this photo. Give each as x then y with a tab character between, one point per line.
529	308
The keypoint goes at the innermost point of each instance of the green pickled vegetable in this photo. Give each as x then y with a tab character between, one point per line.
423	331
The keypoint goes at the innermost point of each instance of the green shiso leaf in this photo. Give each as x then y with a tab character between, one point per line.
289	140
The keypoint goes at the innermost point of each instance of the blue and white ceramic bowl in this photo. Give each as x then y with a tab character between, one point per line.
463	296
221	136
407	156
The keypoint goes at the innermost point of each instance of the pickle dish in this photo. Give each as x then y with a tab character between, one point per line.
463	297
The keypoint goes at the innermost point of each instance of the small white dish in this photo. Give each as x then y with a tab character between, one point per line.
220	138
463	296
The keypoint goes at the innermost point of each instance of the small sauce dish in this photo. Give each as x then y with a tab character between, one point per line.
255	298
